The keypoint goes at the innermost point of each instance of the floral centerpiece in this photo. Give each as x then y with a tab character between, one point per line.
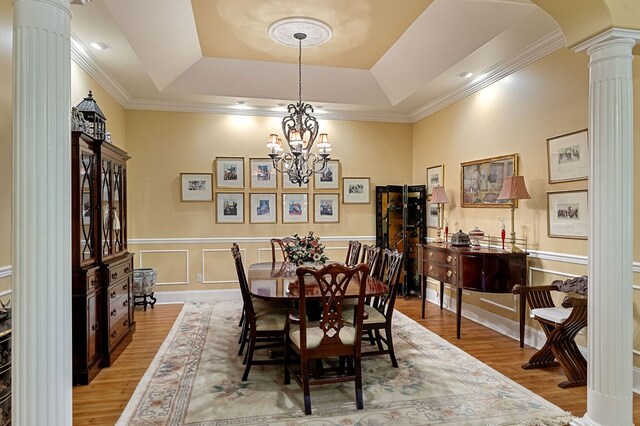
306	249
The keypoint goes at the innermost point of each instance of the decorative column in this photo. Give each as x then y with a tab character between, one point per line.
42	370
610	364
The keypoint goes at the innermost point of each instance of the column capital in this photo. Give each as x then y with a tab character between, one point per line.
613	34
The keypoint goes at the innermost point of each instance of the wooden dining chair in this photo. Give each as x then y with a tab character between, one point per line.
379	311
264	327
353	253
560	325
331	336
281	244
371	256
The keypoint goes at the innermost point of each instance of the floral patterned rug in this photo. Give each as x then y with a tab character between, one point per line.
195	380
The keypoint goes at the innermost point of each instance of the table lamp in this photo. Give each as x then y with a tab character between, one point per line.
439	197
513	188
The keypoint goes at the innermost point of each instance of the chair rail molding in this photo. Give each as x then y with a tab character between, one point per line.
5	271
230	240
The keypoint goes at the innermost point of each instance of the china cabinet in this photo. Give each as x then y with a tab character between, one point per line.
102	267
400	224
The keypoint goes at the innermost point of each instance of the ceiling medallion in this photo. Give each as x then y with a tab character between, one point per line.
317	32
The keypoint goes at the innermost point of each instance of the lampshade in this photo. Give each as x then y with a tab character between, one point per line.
439	195
513	188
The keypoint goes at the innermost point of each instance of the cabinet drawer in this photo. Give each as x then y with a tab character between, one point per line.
441	257
118	328
118	307
93	279
118	271
441	272
119	289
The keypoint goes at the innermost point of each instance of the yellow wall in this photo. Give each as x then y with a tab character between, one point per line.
164	144
6	138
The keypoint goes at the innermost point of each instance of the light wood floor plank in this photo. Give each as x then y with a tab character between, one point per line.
102	402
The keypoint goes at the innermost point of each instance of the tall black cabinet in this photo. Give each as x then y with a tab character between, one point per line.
401	224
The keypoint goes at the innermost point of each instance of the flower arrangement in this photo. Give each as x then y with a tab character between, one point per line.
306	249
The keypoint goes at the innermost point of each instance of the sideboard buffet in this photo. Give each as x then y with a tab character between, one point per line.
102	267
483	269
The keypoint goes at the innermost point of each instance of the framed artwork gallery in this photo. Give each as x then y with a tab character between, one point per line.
435	177
287	185
355	190
196	187
263	174
568	214
263	208
230	173
481	181
568	157
230	207
295	207
329	178
326	208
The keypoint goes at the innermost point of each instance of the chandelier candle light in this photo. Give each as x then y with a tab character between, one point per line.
439	197
300	127
513	188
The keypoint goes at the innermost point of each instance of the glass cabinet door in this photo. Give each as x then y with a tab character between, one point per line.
88	209
117	209
105	208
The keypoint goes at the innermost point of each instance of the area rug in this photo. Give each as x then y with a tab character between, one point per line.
195	380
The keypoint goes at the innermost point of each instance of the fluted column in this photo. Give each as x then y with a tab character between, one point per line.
610	368
41	214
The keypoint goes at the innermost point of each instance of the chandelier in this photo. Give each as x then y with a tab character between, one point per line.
299	127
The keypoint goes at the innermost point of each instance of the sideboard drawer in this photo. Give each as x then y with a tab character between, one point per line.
93	278
119	289
441	272
118	271
117	308
441	257
118	328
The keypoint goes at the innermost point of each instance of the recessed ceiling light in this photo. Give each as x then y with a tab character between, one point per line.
465	74
99	45
241	102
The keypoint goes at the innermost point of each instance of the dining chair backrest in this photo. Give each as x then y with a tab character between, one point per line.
244	284
353	253
282	244
332	281
371	256
391	269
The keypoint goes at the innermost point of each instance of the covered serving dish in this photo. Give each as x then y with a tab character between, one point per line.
460	239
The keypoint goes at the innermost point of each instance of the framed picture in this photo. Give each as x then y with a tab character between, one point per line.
263	175
230	172
355	190
435	177
481	181
326	208
329	178
286	183
432	215
196	187
568	213
230	207
294	208
568	157
263	208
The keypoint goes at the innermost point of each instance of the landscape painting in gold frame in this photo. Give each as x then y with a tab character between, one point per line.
481	181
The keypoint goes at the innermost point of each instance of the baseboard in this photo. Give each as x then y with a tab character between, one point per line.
197	295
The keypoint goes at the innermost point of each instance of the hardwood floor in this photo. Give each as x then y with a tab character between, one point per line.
102	402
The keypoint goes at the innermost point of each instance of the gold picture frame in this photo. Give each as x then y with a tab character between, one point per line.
481	181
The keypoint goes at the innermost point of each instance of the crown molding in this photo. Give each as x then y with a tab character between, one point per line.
546	45
82	57
613	33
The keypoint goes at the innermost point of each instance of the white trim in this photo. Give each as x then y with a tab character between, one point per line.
528	55
608	35
140	252
636	287
5	293
194	295
636	380
499	305
5	271
230	240
204	280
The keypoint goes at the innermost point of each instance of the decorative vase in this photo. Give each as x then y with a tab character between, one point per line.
143	281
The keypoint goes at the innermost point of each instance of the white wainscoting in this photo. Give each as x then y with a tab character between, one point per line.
186	265
234	278
5	271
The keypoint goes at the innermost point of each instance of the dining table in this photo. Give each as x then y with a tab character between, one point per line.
278	281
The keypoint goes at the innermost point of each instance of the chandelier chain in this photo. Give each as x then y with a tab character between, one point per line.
300	70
